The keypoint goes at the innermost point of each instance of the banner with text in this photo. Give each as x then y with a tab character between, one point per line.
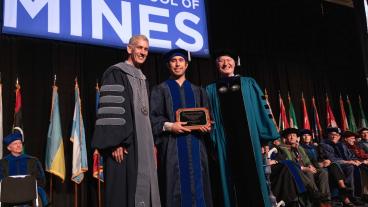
167	23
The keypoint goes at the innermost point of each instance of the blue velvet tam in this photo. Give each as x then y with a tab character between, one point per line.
12	137
333	129
176	52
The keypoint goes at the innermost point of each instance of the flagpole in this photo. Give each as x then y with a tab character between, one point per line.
99	188
98	166
75	194
75	184
50	187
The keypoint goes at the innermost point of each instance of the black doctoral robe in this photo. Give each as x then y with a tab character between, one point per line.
120	178
169	151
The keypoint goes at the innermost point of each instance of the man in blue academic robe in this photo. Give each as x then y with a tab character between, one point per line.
182	158
242	118
17	163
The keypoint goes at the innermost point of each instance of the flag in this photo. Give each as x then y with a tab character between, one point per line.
80	165
1	119
54	159
18	124
270	110
344	120
317	129
352	124
306	124
331	121
292	117
98	166
363	120
97	159
283	121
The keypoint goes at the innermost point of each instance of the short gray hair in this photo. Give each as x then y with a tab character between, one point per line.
133	40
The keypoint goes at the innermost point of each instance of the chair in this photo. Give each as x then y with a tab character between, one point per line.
19	190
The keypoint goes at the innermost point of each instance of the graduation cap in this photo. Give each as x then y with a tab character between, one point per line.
305	131
362	129
288	131
348	133
12	137
176	52
229	53
333	129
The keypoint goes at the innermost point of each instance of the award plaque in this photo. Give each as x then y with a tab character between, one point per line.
195	117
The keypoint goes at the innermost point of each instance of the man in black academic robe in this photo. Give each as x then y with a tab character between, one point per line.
182	157
123	133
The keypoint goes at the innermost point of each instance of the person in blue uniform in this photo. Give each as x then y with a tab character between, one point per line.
242	118
17	163
182	156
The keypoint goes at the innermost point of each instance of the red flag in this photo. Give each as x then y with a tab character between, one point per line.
97	166
317	129
344	119
331	121
306	124
283	120
17	124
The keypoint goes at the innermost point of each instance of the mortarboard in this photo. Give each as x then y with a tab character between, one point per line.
287	131
333	129
348	133
362	129
226	52
305	131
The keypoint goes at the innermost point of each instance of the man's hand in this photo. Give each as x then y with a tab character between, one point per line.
326	163
178	128
206	128
310	169
118	154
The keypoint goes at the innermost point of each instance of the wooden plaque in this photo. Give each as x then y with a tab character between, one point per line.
195	117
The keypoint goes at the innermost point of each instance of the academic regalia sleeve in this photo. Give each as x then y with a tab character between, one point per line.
157	114
329	153
41	180
265	125
114	123
205	100
305	157
2	169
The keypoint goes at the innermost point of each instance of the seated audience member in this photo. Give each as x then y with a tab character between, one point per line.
284	183
17	163
363	143
362	157
338	152
295	153
320	161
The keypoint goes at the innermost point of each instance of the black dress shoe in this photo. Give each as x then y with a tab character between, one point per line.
357	201
350	204
347	192
364	198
